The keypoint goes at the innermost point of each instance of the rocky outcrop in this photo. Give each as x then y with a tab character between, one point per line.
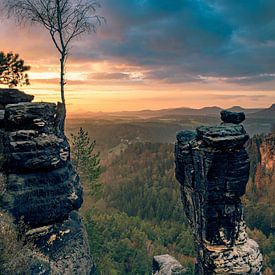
41	186
212	166
12	96
167	265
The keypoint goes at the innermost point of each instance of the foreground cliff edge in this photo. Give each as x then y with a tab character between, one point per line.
212	166
41	186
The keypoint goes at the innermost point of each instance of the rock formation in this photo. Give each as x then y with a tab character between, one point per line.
167	265
13	96
40	185
212	167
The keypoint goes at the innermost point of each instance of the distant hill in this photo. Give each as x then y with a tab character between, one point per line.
206	111
266	113
241	109
112	131
173	112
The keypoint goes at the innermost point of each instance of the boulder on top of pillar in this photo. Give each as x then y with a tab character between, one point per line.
232	117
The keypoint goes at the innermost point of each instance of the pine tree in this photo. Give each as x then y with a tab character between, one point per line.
13	70
86	162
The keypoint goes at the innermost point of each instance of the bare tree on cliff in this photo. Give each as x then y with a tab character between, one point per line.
64	19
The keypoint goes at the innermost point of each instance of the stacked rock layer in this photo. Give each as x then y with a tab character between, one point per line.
40	185
212	167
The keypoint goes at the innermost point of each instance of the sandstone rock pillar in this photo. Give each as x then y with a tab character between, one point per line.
212	166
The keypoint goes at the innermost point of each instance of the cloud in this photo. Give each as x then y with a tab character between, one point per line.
209	38
175	41
255	79
254	97
109	76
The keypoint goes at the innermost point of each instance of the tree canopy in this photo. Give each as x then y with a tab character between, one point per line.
13	70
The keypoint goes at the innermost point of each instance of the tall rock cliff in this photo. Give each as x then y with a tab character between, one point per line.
264	166
212	166
40	185
260	203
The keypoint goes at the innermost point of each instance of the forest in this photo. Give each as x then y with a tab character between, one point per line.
132	207
138	212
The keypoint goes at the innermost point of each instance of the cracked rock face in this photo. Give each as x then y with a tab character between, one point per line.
212	167
41	185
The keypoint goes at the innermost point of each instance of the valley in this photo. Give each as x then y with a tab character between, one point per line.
139	214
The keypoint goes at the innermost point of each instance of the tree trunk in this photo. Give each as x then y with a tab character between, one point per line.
59	120
62	90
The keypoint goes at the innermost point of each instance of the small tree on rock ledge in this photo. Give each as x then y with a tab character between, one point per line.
85	161
64	19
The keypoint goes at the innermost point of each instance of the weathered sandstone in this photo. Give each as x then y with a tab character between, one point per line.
212	166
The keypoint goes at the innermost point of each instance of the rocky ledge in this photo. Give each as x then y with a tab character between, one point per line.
13	96
40	184
212	166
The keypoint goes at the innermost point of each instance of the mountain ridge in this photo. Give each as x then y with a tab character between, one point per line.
266	112
182	111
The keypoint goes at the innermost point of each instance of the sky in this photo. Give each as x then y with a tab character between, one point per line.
155	54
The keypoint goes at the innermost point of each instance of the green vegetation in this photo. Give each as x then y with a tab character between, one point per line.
85	161
112	132
141	182
139	213
125	245
13	250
